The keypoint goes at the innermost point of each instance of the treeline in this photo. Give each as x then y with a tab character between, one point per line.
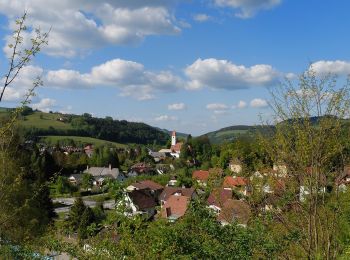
107	128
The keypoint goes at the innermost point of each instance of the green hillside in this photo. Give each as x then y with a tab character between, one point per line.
230	133
79	141
43	120
34	124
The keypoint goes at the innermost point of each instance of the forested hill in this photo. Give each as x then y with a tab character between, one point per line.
230	133
37	123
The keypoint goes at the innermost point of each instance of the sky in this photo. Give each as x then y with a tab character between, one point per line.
192	66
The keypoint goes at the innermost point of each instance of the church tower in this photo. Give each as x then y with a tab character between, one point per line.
173	138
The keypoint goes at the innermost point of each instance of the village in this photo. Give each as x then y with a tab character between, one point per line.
228	192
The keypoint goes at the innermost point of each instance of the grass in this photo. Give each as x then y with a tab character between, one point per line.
79	139
230	132
44	121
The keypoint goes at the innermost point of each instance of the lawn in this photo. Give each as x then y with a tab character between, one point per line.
52	140
44	121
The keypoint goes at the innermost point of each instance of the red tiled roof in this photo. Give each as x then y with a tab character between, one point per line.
231	182
219	197
200	175
175	206
176	147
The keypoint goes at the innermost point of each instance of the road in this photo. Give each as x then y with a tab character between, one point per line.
108	204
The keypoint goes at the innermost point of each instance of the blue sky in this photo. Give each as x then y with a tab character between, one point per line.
193	66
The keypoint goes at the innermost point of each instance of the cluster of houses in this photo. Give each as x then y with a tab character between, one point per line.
174	150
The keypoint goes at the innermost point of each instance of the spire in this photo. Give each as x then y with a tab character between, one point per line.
173	138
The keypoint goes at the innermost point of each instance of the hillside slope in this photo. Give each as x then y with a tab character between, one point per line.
37	123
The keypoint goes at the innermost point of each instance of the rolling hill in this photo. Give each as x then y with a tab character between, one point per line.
35	124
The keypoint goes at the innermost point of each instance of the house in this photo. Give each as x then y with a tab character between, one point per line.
157	156
169	191
173	181
139	168
137	202
175	207
100	174
343	181
151	187
239	184
235	166
256	175
308	177
175	146
75	179
201	177
89	150
217	198
234	211
280	169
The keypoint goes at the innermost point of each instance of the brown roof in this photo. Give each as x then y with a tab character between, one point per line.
200	175
147	184
219	196
235	210
175	207
169	191
342	179
232	182
142	199
176	147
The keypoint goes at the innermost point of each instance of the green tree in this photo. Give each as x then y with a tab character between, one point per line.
75	214
87	180
62	185
23	197
86	220
308	135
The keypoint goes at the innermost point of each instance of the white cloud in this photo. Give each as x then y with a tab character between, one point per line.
130	77
80	25
201	18
217	106
258	103
223	74
338	67
22	83
221	112
177	106
241	104
165	118
248	8
44	105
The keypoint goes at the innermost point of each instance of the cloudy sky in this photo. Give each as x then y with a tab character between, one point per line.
189	65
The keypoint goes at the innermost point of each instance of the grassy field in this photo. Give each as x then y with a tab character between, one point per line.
79	140
230	133
44	121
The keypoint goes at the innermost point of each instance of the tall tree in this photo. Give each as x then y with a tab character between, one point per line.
309	134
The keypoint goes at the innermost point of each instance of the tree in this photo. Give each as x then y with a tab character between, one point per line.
87	180
75	214
86	220
23	213
309	133
62	185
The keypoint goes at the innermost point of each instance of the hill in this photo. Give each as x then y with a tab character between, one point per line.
79	141
34	124
230	133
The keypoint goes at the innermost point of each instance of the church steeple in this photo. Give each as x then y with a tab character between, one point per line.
173	138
